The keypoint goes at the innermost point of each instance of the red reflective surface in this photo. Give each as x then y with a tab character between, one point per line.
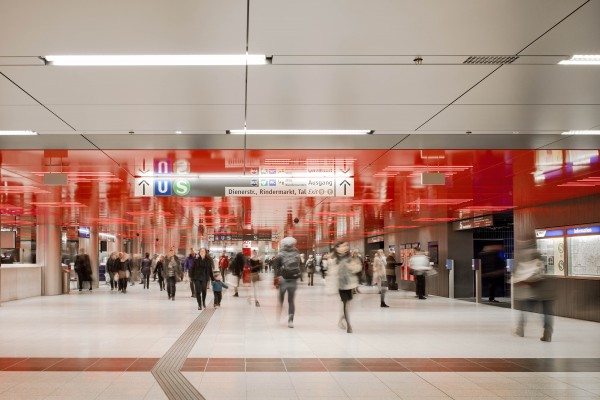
388	193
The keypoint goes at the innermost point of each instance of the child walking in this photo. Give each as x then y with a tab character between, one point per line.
217	287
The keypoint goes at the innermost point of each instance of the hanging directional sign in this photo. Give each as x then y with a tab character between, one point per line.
164	177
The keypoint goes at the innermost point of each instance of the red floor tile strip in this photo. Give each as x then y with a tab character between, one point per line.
310	364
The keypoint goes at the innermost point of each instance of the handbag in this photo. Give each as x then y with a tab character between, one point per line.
529	271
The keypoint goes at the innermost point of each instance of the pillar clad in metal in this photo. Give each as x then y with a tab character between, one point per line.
48	255
94	255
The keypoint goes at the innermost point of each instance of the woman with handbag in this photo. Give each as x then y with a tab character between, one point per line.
532	288
255	266
342	274
379	275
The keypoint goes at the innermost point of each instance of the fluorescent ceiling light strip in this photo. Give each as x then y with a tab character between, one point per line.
582	59
17	133
581	133
299	132
158	60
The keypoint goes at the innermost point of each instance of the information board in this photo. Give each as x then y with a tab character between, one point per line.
584	257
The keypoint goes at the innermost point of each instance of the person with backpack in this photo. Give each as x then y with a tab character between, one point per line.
287	268
146	270
223	264
311	267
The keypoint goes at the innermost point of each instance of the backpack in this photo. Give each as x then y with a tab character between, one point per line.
146	263
290	267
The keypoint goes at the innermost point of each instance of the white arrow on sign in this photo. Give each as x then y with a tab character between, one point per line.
144	187
344	187
344	168
144	166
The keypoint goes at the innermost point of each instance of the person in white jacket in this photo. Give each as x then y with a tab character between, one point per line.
420	267
379	277
343	270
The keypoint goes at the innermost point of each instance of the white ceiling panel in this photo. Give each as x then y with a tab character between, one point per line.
132	85
541	84
380	117
555	118
379	27
42	27
578	34
12	95
361	84
152	117
32	118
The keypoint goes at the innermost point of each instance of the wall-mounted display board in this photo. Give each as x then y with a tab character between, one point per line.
584	257
572	251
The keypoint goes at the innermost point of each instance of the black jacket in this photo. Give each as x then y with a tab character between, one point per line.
202	270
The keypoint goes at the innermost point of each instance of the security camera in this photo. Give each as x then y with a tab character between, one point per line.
296	220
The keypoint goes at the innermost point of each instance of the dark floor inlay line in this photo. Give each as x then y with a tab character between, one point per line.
167	369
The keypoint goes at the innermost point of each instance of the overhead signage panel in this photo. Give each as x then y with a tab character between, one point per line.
584	230
163	177
472	223
543	233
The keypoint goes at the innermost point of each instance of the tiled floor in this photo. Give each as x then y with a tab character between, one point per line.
102	345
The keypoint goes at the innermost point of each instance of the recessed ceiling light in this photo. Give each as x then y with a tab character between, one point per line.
585	59
299	132
581	133
158	60
17	133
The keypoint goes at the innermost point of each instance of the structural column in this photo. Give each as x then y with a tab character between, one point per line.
48	255
94	255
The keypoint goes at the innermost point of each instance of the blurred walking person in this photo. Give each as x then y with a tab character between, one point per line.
159	272
379	275
255	267
311	267
187	267
146	270
236	268
217	287
202	273
531	288
124	271
173	273
83	267
420	267
112	271
223	264
342	275
287	266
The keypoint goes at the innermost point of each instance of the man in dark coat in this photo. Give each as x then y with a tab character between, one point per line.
83	267
202	273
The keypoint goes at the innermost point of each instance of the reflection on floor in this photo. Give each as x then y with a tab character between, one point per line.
101	345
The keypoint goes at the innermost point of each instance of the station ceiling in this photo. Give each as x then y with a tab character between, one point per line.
335	64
